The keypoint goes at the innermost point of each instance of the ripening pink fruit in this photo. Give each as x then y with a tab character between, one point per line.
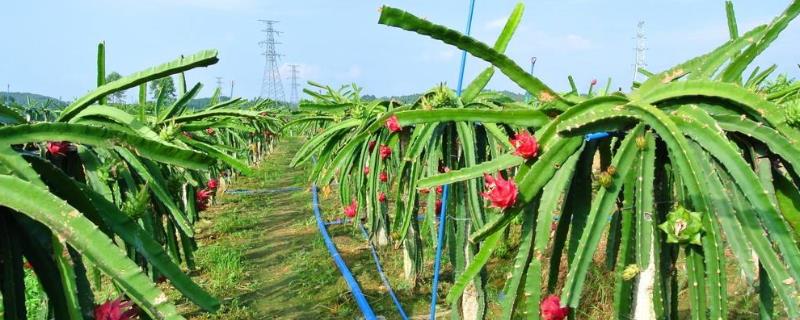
115	310
201	198
371	145
594	82
382	197
210	131
366	170
392	124
212	184
500	192
439	190
58	148
525	145
384	177
552	310
438	206
351	210
385	151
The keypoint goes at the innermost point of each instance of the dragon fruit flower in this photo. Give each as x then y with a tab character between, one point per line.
382	197
392	124
385	152
383	176
552	310
525	144
594	82
115	310
58	148
351	210
500	192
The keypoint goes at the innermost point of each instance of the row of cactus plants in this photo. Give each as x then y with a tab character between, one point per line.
101	194
701	160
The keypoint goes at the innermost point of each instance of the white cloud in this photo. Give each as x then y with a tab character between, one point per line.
444	55
447	54
574	41
495	24
304	71
354	72
218	5
539	40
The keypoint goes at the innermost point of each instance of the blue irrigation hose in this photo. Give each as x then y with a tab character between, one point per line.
439	244
348	277
464	52
443	213
348	220
597	136
383	276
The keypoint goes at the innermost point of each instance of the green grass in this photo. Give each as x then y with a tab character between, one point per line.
224	267
231	223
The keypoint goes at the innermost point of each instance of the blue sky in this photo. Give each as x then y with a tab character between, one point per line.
50	45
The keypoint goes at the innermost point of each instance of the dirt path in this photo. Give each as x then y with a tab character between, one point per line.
263	254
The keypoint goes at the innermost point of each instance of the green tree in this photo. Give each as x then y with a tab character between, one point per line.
166	84
118	96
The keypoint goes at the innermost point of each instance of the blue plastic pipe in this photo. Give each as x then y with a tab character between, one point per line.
383	275
443	214
355	289
348	220
596	136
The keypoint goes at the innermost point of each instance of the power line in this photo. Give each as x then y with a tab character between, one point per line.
271	85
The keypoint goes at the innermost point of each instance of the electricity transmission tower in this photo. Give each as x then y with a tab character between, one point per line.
294	99
640	50
219	87
271	86
528	94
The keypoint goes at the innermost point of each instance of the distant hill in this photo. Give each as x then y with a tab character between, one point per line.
23	98
410	98
199	103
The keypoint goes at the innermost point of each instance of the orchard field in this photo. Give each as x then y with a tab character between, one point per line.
676	196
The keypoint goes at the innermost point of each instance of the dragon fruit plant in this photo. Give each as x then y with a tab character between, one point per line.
701	161
410	143
111	193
